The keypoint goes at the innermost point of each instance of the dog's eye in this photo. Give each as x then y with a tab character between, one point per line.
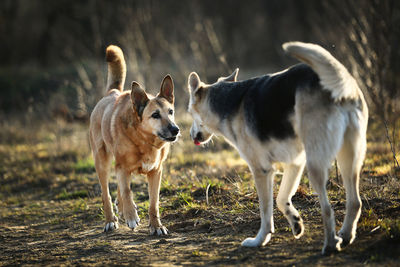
156	115
170	112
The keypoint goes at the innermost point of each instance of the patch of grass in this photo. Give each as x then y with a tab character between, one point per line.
85	165
167	189
213	184
64	195
196	253
55	221
369	220
143	208
391	228
183	199
80	205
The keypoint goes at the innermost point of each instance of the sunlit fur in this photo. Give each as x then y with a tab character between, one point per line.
322	116
123	126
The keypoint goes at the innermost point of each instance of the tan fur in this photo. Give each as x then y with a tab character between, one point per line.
118	129
116	68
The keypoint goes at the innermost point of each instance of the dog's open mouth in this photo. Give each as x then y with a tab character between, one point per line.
196	142
168	139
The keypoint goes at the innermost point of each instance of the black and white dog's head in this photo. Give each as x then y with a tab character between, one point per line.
204	121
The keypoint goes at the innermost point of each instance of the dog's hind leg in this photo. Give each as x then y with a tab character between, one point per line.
129	207
350	160
264	185
319	158
102	161
322	130
318	177
290	182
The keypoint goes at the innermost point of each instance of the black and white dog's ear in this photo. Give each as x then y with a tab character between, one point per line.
230	78
196	87
139	98
193	82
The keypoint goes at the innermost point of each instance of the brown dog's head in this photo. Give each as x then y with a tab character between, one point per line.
204	121
156	114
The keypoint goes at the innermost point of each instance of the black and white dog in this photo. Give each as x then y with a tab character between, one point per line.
305	115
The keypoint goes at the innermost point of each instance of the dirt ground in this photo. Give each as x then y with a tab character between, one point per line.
51	211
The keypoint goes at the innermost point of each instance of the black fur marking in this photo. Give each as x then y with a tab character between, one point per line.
271	101
287	204
297	228
225	98
296	218
268	101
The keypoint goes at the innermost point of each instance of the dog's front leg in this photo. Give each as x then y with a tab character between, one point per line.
128	206
264	185
154	180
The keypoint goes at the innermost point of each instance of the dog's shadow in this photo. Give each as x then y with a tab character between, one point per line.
275	252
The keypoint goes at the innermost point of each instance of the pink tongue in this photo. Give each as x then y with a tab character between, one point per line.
197	143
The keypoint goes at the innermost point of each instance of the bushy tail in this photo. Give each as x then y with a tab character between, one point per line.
116	68
334	77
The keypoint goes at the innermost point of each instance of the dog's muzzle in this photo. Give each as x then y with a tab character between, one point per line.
198	139
170	134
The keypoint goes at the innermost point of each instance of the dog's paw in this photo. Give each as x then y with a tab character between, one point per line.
133	223
111	226
158	230
256	242
298	229
347	238
250	242
332	248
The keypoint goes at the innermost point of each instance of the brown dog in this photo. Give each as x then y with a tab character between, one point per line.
136	128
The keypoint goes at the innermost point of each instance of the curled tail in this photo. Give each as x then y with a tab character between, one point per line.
334	77
116	68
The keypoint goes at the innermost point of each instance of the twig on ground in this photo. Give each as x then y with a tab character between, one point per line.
208	187
392	148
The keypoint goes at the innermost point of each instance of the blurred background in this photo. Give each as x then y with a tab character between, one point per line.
52	52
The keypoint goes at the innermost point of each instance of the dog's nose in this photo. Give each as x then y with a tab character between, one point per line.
173	129
199	136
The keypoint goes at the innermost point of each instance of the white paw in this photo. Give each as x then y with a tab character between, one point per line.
257	241
347	238
332	248
110	226
298	229
158	230
133	223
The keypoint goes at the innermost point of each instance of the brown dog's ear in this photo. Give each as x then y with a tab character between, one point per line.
139	98
167	89
230	78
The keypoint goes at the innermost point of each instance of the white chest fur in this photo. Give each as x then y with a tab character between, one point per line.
150	164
